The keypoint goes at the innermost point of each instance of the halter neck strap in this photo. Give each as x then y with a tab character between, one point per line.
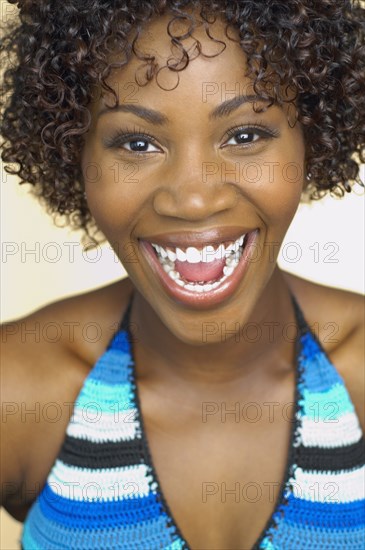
125	320
302	323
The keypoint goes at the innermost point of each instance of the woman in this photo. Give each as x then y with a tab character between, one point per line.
213	417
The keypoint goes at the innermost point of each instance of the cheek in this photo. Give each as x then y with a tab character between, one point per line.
113	192
274	184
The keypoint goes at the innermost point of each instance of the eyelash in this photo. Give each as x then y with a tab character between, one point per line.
120	137
265	132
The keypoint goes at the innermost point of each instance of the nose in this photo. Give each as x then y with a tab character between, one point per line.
188	195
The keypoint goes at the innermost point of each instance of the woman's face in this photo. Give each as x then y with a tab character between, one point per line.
211	171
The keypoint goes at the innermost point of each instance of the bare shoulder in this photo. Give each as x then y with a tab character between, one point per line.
324	304
45	358
85	323
337	317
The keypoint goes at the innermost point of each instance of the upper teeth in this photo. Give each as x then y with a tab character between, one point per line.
194	255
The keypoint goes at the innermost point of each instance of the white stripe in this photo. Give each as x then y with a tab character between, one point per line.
332	487
105	484
322	433
104	426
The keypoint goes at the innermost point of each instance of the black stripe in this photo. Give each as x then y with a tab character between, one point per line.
108	454
332	459
299	316
124	323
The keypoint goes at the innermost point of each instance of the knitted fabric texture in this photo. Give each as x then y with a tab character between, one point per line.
103	490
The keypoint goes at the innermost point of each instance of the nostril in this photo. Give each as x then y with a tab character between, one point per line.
195	202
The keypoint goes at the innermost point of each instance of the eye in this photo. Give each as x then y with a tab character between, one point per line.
139	145
131	142
243	137
249	135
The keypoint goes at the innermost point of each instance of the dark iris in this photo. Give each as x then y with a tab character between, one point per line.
139	145
241	136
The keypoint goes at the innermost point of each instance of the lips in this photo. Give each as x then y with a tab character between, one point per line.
194	295
199	265
184	239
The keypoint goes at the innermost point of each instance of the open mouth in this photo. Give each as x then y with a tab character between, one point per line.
201	276
201	269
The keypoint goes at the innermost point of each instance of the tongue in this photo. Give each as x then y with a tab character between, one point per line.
201	271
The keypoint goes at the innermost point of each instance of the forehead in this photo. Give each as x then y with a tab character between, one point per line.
174	41
187	63
184	67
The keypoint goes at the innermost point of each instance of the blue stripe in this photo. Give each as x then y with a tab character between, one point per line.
27	541
36	538
301	537
98	514
334	516
319	374
111	368
120	342
126	537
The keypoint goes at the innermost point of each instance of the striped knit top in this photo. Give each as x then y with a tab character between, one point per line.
103	491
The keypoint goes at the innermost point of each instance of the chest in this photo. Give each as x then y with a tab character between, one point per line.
221	470
220	463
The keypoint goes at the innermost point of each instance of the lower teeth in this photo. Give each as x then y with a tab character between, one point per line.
228	269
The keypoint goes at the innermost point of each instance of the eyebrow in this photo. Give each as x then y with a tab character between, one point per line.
227	107
150	115
158	118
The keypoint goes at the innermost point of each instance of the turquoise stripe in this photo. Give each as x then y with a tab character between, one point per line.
267	545
329	405
93	407
95	388
176	545
104	396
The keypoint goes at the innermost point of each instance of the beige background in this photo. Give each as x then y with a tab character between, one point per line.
29	281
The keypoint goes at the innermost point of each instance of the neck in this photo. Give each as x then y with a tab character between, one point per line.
246	347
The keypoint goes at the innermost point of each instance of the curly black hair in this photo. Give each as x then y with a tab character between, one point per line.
56	52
